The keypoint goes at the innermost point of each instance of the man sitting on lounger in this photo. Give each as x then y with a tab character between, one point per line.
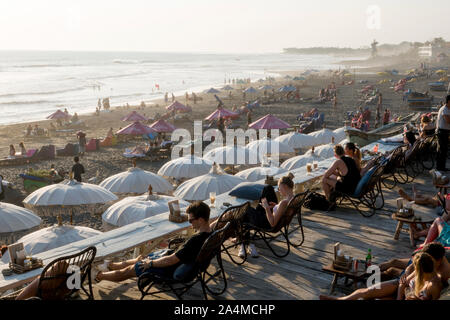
176	265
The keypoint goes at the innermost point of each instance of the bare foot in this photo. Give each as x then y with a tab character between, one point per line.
404	195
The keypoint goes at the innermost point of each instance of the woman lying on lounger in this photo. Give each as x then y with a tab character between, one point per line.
424	283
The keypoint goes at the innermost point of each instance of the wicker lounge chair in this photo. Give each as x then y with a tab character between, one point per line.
53	279
367	192
210	249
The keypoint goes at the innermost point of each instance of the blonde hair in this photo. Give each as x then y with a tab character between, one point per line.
287	180
423	263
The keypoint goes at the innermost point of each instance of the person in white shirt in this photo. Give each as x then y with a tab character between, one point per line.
443	130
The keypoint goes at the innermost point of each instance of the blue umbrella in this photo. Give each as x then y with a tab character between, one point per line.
299	78
250	90
266	87
247	190
287	89
227	87
212	90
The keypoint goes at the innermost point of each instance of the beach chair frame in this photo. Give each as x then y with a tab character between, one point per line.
82	260
369	195
235	216
211	249
281	229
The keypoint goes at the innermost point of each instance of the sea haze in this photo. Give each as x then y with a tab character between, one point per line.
34	84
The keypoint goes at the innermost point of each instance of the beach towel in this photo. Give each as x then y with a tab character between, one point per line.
129	153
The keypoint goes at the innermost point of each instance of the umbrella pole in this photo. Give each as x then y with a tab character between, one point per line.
71	214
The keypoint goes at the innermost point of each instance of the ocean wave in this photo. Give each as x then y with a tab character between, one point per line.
120	61
10	95
119	75
47	65
14	103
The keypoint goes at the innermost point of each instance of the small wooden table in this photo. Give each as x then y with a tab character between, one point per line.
420	217
358	276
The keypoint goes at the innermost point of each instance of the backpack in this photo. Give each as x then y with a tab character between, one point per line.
316	201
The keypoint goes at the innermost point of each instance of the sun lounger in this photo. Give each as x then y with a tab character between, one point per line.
69	150
93	145
294	208
197	273
129	153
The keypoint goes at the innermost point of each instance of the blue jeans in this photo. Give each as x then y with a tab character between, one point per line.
166	272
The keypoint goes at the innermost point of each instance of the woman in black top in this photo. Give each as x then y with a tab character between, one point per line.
342	176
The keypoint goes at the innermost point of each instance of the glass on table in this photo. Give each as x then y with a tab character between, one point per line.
212	198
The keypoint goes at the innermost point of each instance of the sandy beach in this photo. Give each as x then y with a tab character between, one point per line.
109	161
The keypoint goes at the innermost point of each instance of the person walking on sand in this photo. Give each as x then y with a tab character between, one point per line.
77	169
173	97
81	142
187	97
166	97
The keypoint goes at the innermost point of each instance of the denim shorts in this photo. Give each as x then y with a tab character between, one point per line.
164	272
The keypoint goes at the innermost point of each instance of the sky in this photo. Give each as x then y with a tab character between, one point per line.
231	26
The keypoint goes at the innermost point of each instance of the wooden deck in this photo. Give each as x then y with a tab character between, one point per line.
299	276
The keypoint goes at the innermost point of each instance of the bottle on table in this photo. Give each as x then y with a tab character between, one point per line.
369	258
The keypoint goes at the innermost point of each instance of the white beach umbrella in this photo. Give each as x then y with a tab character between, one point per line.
133	209
323	136
259	173
53	237
185	167
300	161
265	147
136	180
200	187
79	196
15	221
340	135
324	151
230	155
298	140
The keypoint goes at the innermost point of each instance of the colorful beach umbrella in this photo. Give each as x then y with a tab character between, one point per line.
221	113
136	129
177	106
58	115
269	122
287	89
134	116
250	90
162	126
212	90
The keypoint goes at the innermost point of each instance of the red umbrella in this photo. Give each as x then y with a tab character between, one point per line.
134	116
269	122
178	107
221	113
162	126
58	115
136	129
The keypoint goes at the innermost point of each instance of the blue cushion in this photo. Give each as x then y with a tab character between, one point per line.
247	190
363	182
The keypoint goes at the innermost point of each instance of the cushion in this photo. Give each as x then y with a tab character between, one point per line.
363	182
247	190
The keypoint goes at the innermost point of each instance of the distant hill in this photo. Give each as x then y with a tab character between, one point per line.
383	49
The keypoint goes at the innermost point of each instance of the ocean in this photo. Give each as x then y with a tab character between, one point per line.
33	84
